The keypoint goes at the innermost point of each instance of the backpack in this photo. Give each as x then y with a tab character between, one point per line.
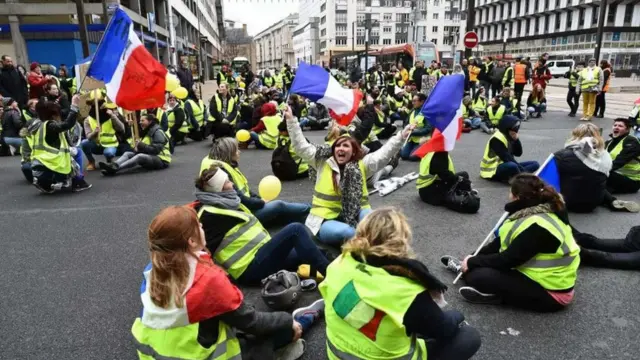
283	165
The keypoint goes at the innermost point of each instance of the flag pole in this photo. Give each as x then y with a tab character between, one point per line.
500	221
95	52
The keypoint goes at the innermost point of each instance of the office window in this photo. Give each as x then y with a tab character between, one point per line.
360	17
434	41
594	15
547	23
546	4
434	29
509	8
628	13
557	22
360	31
536	24
323	20
535	6
447	15
341	41
341	18
519	27
569	19
557	4
323	32
323	7
387	16
386	29
402	18
435	16
611	17
527	26
374	41
581	17
386	41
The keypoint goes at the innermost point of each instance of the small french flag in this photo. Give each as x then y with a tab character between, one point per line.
134	79
317	85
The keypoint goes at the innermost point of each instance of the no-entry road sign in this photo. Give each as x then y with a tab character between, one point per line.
470	39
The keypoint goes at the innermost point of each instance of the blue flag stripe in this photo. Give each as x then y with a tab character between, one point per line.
113	44
311	81
549	173
444	101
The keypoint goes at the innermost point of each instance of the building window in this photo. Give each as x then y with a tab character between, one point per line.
374	41
323	32
323	7
611	17
341	41
519	27
546	4
386	41
447	15
435	29
628	13
360	17
547	23
594	15
435	16
360	32
569	19
557	22
360	41
403	18
323	20
535	6
581	17
434	41
386	29
387	16
398	41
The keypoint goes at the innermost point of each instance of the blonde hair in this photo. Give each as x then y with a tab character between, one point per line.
588	130
383	232
334	132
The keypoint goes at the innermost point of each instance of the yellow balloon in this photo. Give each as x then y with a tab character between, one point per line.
269	188
180	93
172	82
243	135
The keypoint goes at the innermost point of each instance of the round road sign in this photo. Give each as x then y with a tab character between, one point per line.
470	39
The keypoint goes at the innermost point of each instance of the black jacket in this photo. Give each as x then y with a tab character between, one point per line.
179	116
417	77
630	150
158	140
532	241
216	115
424	317
186	78
583	189
54	128
514	148
13	85
11	123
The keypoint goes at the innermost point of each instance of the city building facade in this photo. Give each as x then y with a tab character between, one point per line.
274	45
47	31
238	43
442	23
562	28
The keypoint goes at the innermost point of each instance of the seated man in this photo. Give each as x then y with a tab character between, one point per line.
151	153
196	112
101	127
498	162
318	117
437	177
422	129
471	119
224	111
624	148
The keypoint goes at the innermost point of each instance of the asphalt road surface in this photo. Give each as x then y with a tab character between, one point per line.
71	265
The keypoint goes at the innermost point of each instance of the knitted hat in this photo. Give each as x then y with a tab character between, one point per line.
34	65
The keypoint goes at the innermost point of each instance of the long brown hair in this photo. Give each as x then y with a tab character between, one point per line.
168	240
537	92
531	187
357	155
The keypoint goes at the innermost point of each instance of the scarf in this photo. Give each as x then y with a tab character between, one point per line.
594	159
227	200
350	186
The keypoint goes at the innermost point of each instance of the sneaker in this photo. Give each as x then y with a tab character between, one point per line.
538	115
309	314
583	119
108	169
81	185
572	115
451	263
600	116
292	351
474	296
91	166
630	206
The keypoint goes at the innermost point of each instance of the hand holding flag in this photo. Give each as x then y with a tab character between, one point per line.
443	110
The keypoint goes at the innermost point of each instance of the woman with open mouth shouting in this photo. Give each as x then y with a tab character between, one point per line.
340	196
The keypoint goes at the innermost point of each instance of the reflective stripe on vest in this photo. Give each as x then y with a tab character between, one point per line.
268	81
418	121
353	302
241	243
490	160
631	169
269	135
237	178
504	77
573	78
495	117
586	84
479	105
230	104
519	73
57	160
107	137
223	79
171	119
425	178
326	202
197	109
165	154
556	271
182	343
26	115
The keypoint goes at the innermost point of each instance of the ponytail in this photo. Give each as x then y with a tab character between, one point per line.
531	187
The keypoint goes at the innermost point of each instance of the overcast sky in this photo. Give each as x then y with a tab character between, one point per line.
258	14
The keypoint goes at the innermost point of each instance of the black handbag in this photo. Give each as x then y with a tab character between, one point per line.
461	198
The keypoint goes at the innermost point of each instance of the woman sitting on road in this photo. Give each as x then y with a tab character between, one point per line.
226	155
239	242
265	134
583	166
192	311
151	153
367	320
533	262
536	102
623	254
340	196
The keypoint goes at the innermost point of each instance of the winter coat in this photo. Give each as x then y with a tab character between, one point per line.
36	85
13	85
158	141
11	123
318	112
496	74
541	75
582	188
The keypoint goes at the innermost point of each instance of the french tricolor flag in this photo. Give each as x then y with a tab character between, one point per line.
134	79
443	110
317	85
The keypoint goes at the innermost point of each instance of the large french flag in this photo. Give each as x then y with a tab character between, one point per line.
134	79
443	110
317	85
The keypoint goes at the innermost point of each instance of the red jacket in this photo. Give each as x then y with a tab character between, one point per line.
541	77
36	85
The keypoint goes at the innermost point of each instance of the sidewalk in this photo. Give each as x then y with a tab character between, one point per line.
618	85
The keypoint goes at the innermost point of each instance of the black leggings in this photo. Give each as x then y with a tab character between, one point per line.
623	254
513	287
619	184
573	100
601	104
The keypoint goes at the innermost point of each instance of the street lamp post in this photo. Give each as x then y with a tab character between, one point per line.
471	18
601	20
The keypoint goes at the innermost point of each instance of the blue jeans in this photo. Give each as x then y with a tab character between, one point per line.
15	142
334	232
78	159
26	171
281	211
90	148
407	149
395	117
540	108
474	122
290	247
304	122
255	138
508	170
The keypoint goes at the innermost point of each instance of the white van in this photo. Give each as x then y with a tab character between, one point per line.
559	67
